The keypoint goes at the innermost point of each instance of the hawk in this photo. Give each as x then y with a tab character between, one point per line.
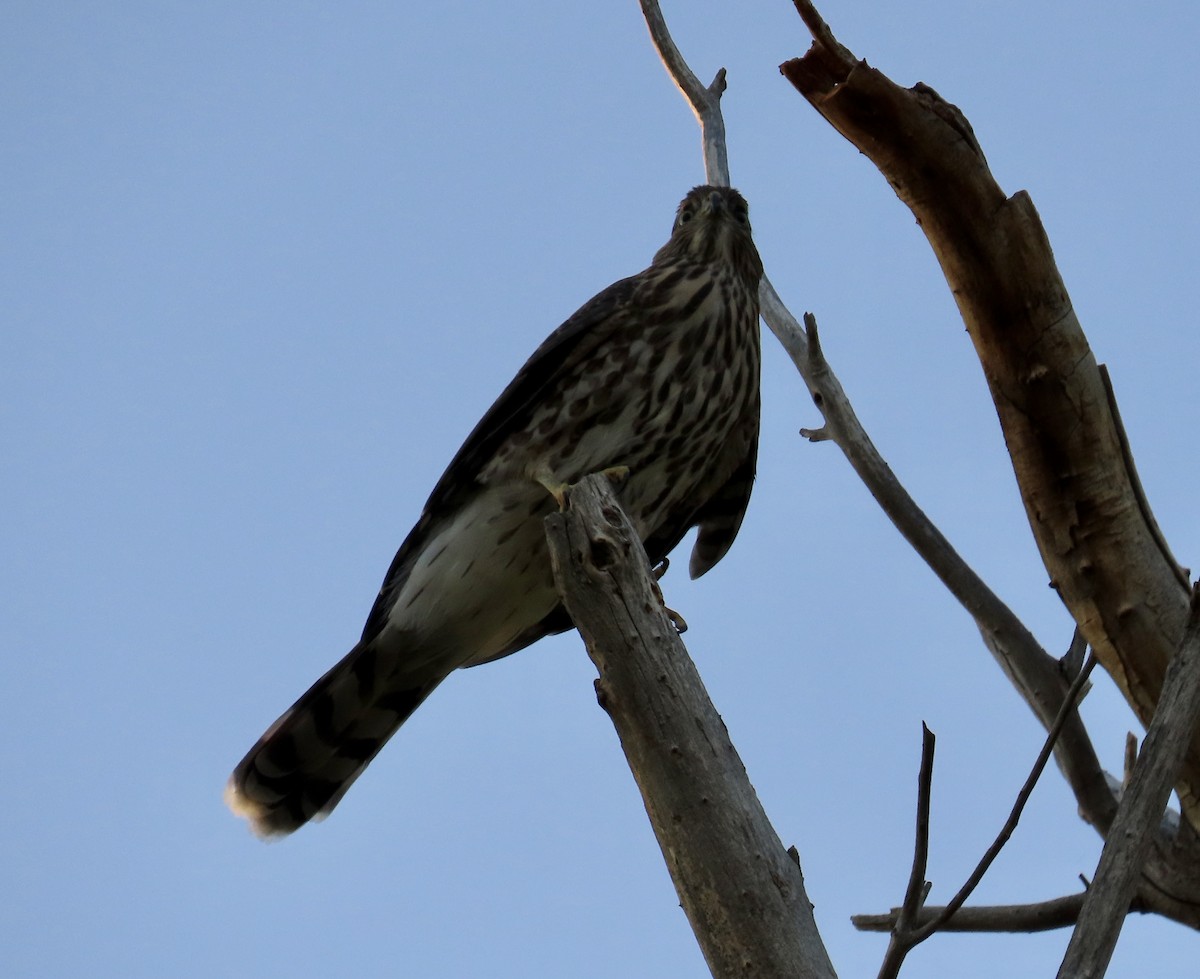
655	379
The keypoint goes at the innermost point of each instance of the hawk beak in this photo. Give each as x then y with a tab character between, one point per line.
715	202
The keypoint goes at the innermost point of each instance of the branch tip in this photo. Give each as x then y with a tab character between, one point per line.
822	34
1131	754
816	355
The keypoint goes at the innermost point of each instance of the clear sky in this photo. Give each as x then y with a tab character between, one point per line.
265	264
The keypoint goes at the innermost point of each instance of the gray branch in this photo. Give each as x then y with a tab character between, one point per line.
741	890
705	102
1129	840
1061	912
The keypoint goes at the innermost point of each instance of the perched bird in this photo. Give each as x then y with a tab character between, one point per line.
657	375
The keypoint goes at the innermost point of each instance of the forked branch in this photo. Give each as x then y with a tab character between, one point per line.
909	928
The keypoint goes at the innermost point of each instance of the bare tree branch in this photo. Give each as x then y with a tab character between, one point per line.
907	933
1100	550
1061	912
1120	868
704	102
918	887
1069	707
742	892
1033	671
1118	582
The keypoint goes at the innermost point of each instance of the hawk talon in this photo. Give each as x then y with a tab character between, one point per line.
616	474
677	621
555	489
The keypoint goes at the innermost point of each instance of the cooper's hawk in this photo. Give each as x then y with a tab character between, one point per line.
659	374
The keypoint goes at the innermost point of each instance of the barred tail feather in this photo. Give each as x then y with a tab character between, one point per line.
303	765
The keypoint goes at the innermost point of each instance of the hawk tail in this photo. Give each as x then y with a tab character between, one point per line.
303	765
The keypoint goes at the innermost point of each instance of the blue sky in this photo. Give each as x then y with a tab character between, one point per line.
263	267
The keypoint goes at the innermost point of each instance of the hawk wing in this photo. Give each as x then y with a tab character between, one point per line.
574	339
720	517
719	520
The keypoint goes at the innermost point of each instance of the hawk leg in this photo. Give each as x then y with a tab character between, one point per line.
616	475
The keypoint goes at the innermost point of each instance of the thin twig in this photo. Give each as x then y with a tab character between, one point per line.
918	887
822	34
1072	660
705	101
1010	824
914	896
678	69
906	932
1060	912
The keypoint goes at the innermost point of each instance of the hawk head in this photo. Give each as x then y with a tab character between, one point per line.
712	225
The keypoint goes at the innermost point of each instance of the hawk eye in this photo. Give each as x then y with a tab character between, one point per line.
685	215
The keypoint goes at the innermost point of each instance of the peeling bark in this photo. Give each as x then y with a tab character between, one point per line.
1097	537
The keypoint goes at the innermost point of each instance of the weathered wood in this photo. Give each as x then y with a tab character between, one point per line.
1060	912
1096	535
742	892
1120	869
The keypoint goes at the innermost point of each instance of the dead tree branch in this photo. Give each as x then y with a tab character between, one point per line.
1096	538
1069	707
1030	668
1034	672
705	102
1120	868
1061	912
1098	546
902	940
742	892
910	929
